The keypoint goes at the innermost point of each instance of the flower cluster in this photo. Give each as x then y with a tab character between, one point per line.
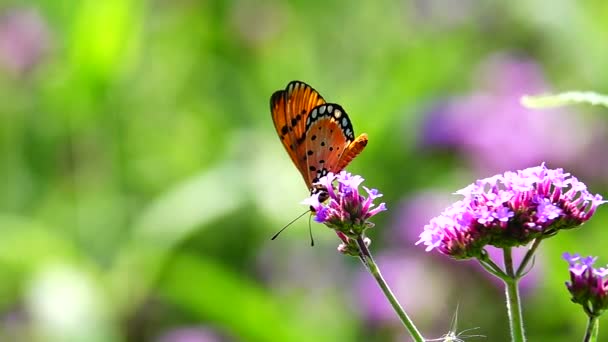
588	285
345	210
508	210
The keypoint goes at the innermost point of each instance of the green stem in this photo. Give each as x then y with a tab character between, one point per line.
490	266
593	327
527	257
372	267
513	300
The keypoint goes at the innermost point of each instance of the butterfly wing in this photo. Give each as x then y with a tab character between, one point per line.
290	109
351	151
330	141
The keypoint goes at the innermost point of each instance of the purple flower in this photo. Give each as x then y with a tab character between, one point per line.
494	131
510	210
403	273
189	334
588	285
414	212
346	210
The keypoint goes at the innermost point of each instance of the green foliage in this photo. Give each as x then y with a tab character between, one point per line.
142	177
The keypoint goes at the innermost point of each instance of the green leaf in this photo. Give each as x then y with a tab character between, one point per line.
236	303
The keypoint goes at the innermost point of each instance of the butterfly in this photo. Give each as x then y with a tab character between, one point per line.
318	136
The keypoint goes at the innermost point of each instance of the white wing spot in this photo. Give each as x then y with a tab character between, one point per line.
314	113
321	109
330	108
348	132
338	113
344	122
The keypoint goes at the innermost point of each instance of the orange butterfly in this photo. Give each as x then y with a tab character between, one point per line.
318	136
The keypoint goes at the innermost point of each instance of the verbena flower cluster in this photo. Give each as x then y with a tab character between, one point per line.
588	285
508	210
345	210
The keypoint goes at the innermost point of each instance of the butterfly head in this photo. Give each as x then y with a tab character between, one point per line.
321	190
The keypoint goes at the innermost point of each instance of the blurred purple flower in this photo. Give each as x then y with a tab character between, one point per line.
593	162
509	210
420	289
189	334
494	130
588	285
441	15
415	212
24	39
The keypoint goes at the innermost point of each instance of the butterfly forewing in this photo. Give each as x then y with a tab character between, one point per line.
290	108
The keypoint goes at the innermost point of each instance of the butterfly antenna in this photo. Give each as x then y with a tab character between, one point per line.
312	241
289	224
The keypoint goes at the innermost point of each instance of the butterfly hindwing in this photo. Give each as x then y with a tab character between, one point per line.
330	141
351	151
290	109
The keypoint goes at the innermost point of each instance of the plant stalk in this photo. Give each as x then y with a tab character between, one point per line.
513	299
593	327
372	267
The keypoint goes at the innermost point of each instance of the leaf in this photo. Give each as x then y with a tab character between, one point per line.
231	301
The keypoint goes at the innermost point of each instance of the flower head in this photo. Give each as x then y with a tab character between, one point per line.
346	210
509	210
588	285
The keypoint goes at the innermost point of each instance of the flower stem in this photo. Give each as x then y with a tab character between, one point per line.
592	329
522	267
372	267
513	300
490	266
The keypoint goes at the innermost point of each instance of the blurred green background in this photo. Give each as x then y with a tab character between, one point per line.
142	177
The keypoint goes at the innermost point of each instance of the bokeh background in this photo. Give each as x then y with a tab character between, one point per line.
142	177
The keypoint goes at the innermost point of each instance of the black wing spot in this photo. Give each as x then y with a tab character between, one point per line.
322	161
313	137
309	152
303	111
331	148
312	168
284	130
322	143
